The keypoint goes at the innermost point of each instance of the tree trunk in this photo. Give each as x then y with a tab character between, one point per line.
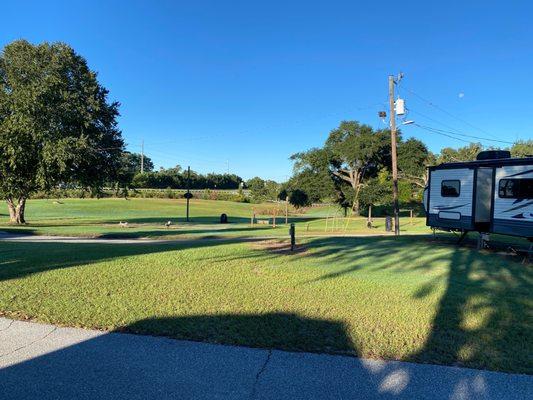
16	210
355	182
353	177
355	206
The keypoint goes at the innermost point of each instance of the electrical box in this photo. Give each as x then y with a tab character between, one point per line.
400	106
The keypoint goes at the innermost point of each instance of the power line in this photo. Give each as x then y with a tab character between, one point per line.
439	133
465	135
454	130
268	127
447	112
433	119
431	130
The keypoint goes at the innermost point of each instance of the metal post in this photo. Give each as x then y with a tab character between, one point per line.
188	190
394	161
292	232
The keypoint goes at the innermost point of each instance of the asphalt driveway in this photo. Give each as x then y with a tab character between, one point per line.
48	362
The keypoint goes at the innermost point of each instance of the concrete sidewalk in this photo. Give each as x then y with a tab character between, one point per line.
39	361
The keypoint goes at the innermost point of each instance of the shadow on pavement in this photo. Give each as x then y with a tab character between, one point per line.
73	364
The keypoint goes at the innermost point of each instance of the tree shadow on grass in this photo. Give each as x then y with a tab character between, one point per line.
19	259
483	318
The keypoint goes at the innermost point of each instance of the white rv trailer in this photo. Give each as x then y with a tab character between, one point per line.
489	195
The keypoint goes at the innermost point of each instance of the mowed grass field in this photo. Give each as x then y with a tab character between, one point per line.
147	218
408	298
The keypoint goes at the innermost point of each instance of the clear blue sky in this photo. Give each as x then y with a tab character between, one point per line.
204	83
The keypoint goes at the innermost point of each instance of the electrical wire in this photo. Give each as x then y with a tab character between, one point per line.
465	135
447	112
249	132
431	130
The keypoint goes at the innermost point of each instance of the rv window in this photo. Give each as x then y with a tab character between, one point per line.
516	188
450	188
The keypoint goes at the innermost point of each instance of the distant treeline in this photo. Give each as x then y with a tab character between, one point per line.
239	195
178	180
130	176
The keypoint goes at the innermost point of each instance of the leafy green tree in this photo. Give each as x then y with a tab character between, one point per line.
56	124
466	153
522	148
262	190
133	162
129	166
352	154
376	192
298	198
257	188
413	160
312	175
272	189
357	152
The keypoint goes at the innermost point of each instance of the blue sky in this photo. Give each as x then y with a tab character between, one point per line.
247	84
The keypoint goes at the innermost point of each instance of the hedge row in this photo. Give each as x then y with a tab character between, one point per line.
145	194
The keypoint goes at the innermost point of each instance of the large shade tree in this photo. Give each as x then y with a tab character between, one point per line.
357	152
352	154
312	174
56	123
413	160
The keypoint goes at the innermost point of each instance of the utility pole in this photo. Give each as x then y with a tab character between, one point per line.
142	157
394	158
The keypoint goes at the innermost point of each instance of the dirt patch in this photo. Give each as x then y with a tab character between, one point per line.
279	247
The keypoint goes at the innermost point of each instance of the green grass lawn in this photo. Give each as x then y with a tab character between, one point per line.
146	218
406	299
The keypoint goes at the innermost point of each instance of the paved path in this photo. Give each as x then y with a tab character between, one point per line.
40	361
29	238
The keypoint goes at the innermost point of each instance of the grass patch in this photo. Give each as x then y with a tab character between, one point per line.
146	218
406	299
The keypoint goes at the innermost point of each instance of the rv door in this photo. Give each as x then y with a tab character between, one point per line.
483	199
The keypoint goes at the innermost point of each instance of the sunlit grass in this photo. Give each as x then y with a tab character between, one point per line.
409	298
147	218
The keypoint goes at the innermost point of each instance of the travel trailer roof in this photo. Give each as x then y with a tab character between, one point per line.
484	163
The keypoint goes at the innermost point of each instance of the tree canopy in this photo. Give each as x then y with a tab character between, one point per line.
262	190
413	159
177	178
522	148
352	153
466	153
56	123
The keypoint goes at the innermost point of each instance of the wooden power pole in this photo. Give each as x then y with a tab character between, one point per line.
394	158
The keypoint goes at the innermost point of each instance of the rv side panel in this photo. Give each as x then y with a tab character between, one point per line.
513	201
450	198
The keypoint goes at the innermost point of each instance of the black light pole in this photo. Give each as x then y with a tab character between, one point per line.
188	195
